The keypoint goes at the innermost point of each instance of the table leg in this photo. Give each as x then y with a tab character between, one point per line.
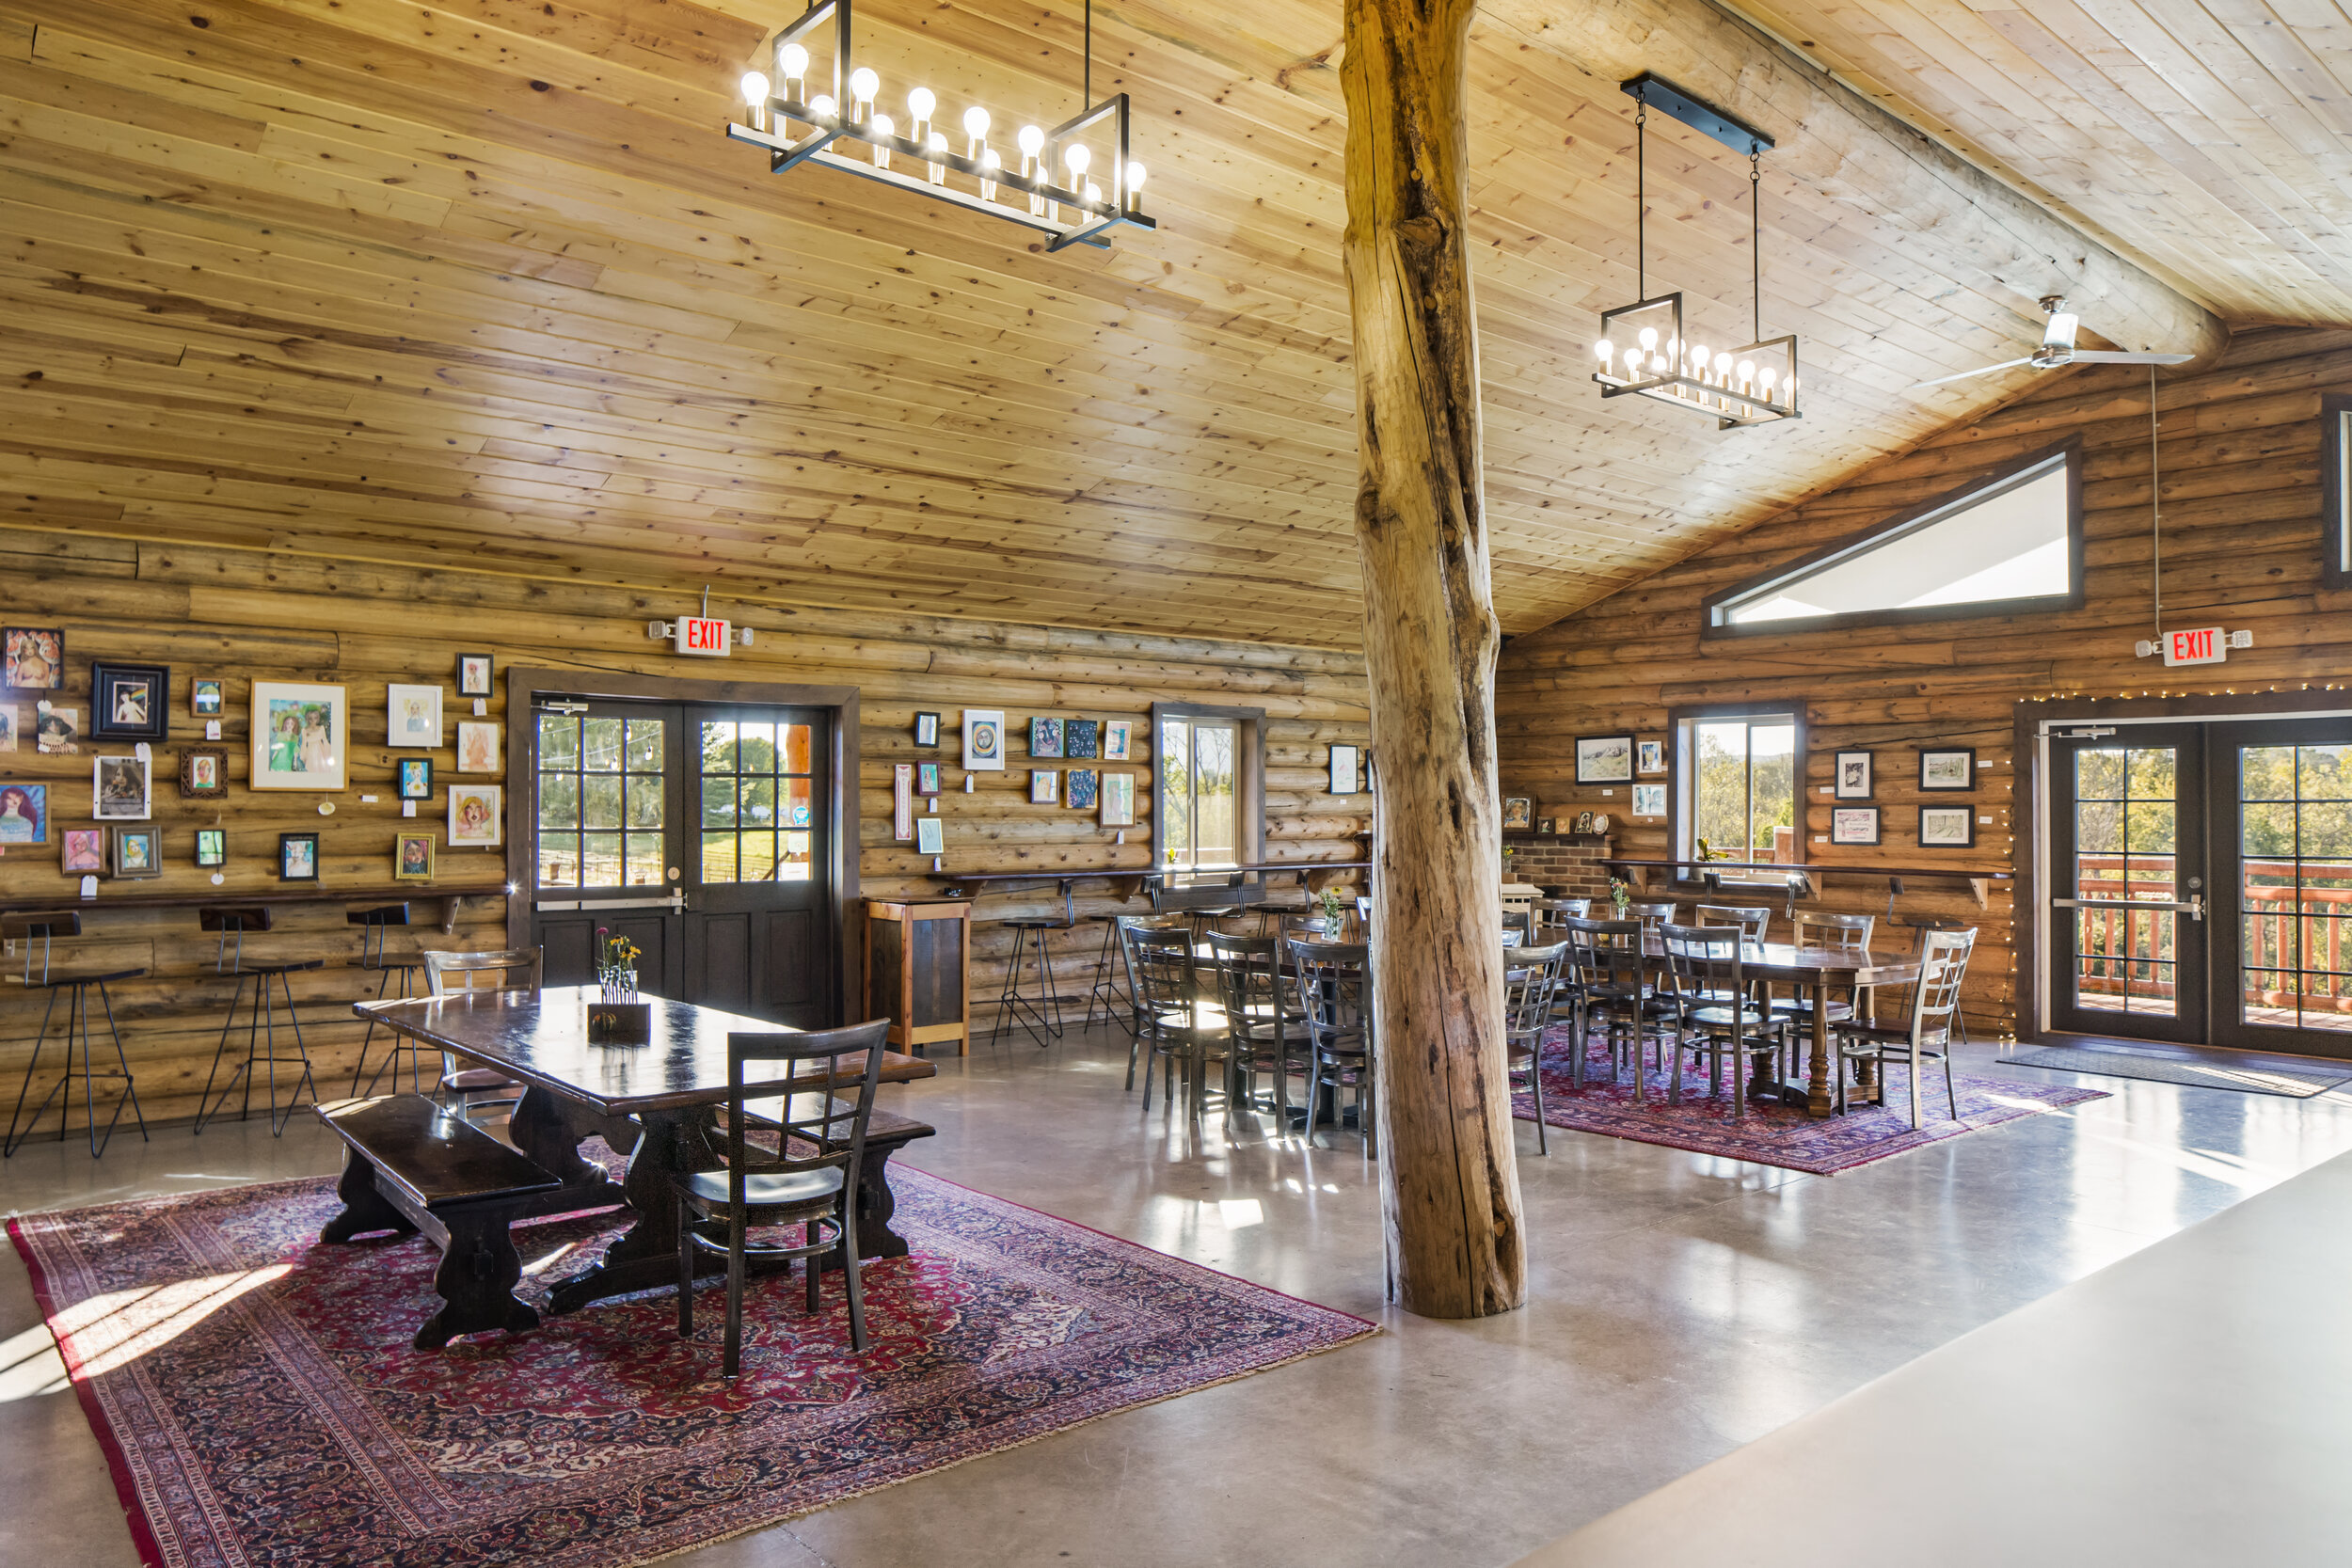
670	1143
876	1204
1818	1100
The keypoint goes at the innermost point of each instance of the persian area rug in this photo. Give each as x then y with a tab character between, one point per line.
1772	1133
259	1402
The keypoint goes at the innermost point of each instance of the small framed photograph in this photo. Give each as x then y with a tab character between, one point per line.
926	729
23	814
1081	738
83	850
477	816
1084	788
297	857
204	774
301	736
931	835
212	847
204	699
1853	824
1604	759
58	731
1044	738
1117	737
7	726
1044	787
1547	824
32	659
1853	780
473	674
1955	768
1348	769
412	857
983	740
1650	757
1948	826
1649	800
1518	814
130	701
477	748
121	789
412	717
138	853
412	779
1119	800
926	778
1584	822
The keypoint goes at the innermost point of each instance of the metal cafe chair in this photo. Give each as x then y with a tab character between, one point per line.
517	968
1926	1035
1334	998
374	925
1606	959
1263	1026
1175	1023
1531	975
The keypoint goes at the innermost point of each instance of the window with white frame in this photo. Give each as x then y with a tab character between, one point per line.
1738	795
1197	811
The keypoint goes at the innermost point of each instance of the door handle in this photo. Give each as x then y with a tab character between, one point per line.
675	902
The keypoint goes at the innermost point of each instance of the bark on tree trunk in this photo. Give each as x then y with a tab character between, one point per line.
1448	1181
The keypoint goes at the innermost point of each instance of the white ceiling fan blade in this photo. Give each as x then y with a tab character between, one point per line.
1981	370
2110	357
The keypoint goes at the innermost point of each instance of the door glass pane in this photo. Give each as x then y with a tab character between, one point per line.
600	800
2294	886
600	745
797	865
599	860
2126	818
642	799
581	786
645	858
643	748
749	791
718	746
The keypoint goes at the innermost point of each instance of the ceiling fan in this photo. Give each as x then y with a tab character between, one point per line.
2057	348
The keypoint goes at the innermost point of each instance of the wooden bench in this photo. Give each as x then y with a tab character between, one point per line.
409	1167
886	1132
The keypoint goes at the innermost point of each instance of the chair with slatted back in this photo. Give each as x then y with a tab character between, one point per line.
1927	1033
1176	1023
1752	920
1529	977
810	1180
1606	958
1837	933
1334	990
1721	1018
376	956
260	1034
75	986
1263	1028
1653	915
479	1087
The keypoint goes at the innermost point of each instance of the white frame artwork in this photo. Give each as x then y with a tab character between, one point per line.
1649	800
931	835
1649	756
1853	775
412	717
1119	800
1118	739
142	767
467	729
491	795
334	769
986	723
1348	769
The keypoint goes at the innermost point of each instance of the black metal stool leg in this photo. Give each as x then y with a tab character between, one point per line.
206	1107
302	1055
129	1085
14	1138
1052	1009
1007	994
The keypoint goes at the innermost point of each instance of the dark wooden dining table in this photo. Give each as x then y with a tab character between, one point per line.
1817	971
655	1103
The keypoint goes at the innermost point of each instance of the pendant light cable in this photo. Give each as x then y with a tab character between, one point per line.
1641	196
2155	509
1087	71
1755	240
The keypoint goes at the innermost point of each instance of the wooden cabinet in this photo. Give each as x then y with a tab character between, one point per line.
918	971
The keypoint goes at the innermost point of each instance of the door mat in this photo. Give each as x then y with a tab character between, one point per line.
2172	1069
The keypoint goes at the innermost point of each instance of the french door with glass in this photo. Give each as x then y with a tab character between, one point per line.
2286	920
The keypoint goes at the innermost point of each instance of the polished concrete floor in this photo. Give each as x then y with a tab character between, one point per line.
1680	1307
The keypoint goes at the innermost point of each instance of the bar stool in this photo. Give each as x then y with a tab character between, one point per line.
261	1027
1043	1010
25	928
1114	988
374	925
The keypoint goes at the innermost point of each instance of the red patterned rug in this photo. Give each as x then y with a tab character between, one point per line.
260	1403
1774	1134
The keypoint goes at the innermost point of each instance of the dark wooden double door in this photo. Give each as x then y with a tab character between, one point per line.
700	833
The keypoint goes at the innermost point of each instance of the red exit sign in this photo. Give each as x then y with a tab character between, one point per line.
2202	646
703	637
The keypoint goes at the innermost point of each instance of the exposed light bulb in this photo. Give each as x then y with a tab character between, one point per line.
1032	141
882	125
754	89
1134	187
791	61
1648	339
864	85
976	122
920	102
1077	157
1093	193
822	106
1747	369
1700	357
1604	351
990	163
939	145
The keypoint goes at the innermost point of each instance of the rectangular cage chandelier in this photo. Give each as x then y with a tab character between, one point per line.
861	140
1644	348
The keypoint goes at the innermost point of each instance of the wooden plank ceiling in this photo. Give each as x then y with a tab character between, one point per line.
483	284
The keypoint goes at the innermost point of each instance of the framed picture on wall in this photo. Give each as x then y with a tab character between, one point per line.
926	729
297	857
212	847
1044	738
1044	787
902	802
57	730
83	850
1954	769
1080	737
1853	778
1348	769
412	717
130	701
1119	799
7	726
1948	826
412	857
1853	824
23	814
32	659
139	851
1604	759
121	788
1082	789
1518	814
301	736
1651	757
477	747
1118	737
477	817
413	779
204	699
473	674
926	778
984	739
1649	800
931	835
204	774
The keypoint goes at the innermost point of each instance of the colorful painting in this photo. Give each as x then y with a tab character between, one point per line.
1604	759
32	659
120	788
412	716
476	815
1649	800
412	857
297	857
130	701
1044	738
85	850
473	674
1117	734
477	748
1044	787
1518	814
1650	757
57	730
414	779
204	699
203	775
139	851
926	778
7	726
1080	737
212	847
1119	799
301	736
1084	788
984	739
23	814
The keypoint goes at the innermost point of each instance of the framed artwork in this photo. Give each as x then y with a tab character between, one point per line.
139	851
1547	824
83	850
7	726
204	699
1081	738
926	729
32	659
473	674
1119	799
1044	787
1604	759
57	730
204	774
297	857
1584	822
1854	778
212	847
1948	826
1117	736
1084	788
412	857
477	816
477	748
412	717
301	736
412	779
1650	757
1649	800
1346	769
23	814
121	788
1955	768
1518	814
926	778
902	802
984	739
1853	824
130	701
1044	738
931	835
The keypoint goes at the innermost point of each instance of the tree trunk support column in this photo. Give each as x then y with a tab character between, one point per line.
1449	1177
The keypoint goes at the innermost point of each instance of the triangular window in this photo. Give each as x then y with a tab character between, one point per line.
2004	544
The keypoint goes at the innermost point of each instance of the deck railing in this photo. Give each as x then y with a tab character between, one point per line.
2128	953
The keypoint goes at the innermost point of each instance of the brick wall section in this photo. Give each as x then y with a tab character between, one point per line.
1568	861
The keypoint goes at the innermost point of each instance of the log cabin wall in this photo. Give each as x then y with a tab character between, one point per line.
2242	544
242	615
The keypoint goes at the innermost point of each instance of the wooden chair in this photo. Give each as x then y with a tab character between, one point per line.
1335	999
1263	1029
1175	1023
1927	1034
1121	924
1719	1017
1651	916
810	1181
1607	960
446	973
1531	975
1752	920
1837	933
